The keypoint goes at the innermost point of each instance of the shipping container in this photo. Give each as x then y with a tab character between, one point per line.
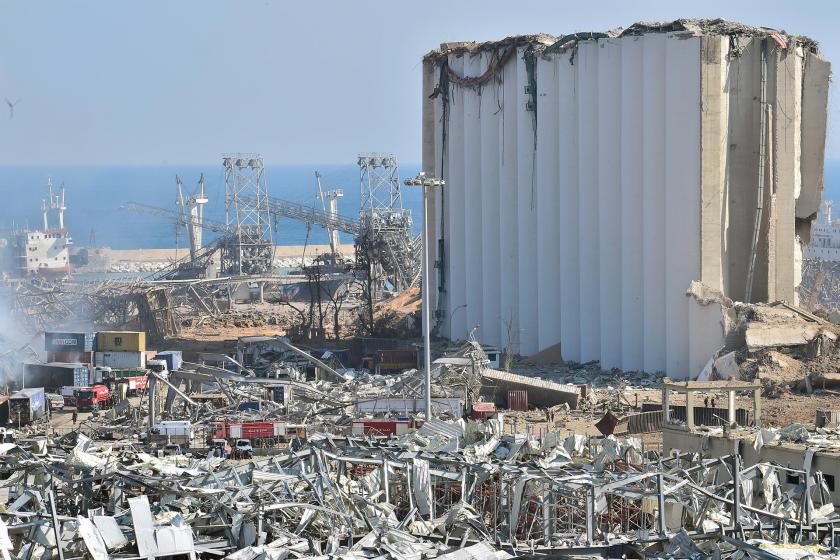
54	375
482	410
517	400
182	428
120	341
380	426
249	405
27	405
281	393
121	360
69	357
174	359
68	342
395	360
257	430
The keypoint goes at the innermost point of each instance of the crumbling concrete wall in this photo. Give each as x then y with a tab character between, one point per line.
589	183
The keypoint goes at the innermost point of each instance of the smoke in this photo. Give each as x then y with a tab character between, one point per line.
19	342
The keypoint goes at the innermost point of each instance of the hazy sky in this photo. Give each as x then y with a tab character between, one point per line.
150	82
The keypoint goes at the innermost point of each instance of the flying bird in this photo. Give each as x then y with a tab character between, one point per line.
11	107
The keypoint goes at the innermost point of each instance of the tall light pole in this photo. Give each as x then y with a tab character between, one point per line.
426	182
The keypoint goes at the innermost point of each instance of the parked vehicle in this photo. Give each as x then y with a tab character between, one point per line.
221	448
54	401
27	405
92	398
159	366
243	449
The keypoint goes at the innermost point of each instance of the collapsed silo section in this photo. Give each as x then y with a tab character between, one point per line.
593	181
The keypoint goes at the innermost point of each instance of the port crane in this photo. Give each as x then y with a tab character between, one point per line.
383	228
191	209
197	262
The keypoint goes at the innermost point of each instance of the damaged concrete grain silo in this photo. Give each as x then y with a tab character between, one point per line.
590	179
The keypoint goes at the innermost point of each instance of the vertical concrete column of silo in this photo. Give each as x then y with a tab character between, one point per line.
786	154
527	203
473	215
568	205
491	101
682	193
815	80
653	192
609	200
549	283
456	200
631	204
743	84
706	321
509	232
589	234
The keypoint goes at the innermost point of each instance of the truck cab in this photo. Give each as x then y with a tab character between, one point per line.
91	398
158	366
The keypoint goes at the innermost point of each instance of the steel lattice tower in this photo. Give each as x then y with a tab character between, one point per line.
386	223
249	249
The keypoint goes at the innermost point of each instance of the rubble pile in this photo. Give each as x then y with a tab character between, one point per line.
821	286
787	348
449	490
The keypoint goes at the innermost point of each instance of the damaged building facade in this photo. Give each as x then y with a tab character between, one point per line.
592	178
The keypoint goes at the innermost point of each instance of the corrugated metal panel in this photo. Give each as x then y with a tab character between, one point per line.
644	422
517	400
121	341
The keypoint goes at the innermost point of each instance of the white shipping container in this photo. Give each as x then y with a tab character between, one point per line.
121	360
175	428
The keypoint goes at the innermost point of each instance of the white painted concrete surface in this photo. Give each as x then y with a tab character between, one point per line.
584	222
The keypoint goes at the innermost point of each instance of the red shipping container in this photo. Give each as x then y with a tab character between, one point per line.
518	400
374	427
481	410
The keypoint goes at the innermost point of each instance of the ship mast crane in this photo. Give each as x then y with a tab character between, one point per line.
332	196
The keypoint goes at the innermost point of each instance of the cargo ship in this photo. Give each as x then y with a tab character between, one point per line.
43	252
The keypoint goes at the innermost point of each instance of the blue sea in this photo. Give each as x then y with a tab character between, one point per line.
94	196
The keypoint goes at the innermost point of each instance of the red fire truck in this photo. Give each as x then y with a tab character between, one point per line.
91	398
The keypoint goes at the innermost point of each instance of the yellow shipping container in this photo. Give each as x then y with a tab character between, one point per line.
120	341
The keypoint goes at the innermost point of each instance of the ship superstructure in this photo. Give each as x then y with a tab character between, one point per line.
45	252
825	236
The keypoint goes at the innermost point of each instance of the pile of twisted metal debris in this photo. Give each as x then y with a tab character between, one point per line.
453	490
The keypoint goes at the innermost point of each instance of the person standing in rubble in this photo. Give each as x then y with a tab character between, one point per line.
75	416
